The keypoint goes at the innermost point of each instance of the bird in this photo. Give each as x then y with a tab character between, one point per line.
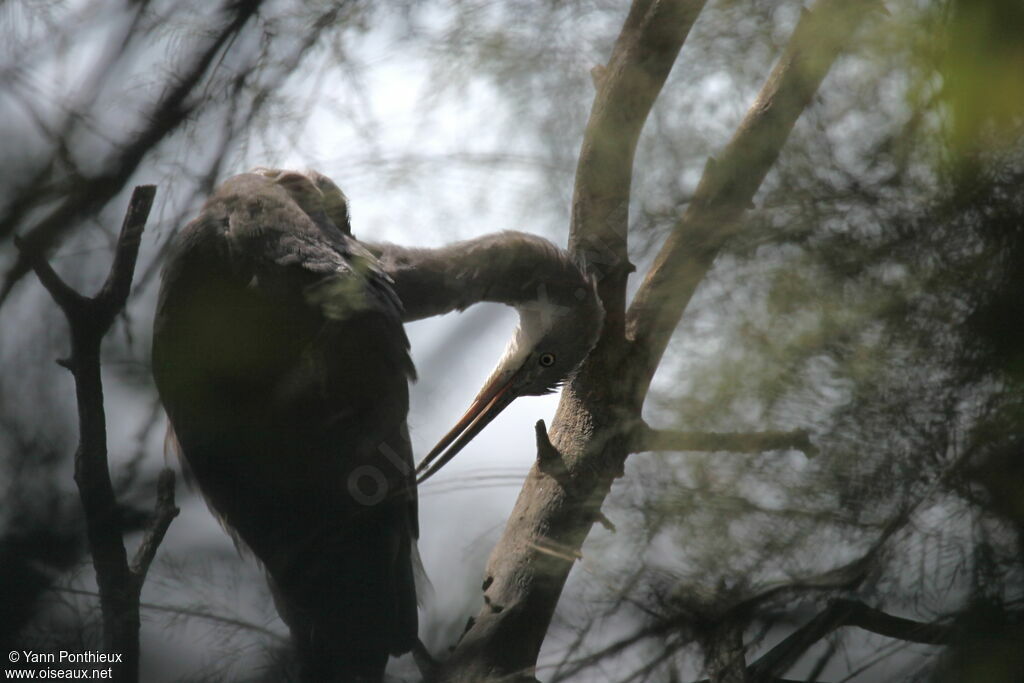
281	360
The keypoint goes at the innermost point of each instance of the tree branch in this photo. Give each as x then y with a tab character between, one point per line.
876	621
523	584
840	613
646	49
89	320
559	505
115	290
65	297
649	439
728	184
165	513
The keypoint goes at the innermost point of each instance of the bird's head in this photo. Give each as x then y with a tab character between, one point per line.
316	194
549	344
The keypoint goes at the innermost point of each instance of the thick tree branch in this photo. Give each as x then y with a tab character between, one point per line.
647	439
560	499
843	613
646	49
89	320
729	183
559	506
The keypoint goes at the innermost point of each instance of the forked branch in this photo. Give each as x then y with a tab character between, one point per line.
89	319
524	578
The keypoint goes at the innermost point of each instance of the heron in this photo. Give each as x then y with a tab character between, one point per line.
281	360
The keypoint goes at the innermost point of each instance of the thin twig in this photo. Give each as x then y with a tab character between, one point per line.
114	293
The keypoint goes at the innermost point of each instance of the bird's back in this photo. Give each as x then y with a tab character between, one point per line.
281	360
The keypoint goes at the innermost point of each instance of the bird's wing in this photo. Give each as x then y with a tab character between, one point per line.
331	290
278	329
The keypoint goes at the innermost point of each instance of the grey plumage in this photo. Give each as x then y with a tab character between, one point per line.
513	268
560	316
280	357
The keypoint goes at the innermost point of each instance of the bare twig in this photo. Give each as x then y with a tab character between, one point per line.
89	319
876	621
846	577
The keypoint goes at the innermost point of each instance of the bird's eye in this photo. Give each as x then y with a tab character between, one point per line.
547	359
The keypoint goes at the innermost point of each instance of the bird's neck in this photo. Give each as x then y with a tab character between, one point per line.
512	268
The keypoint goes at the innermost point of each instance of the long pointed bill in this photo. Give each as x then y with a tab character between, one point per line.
491	400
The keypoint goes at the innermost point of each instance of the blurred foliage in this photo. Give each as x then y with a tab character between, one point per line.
874	299
981	66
